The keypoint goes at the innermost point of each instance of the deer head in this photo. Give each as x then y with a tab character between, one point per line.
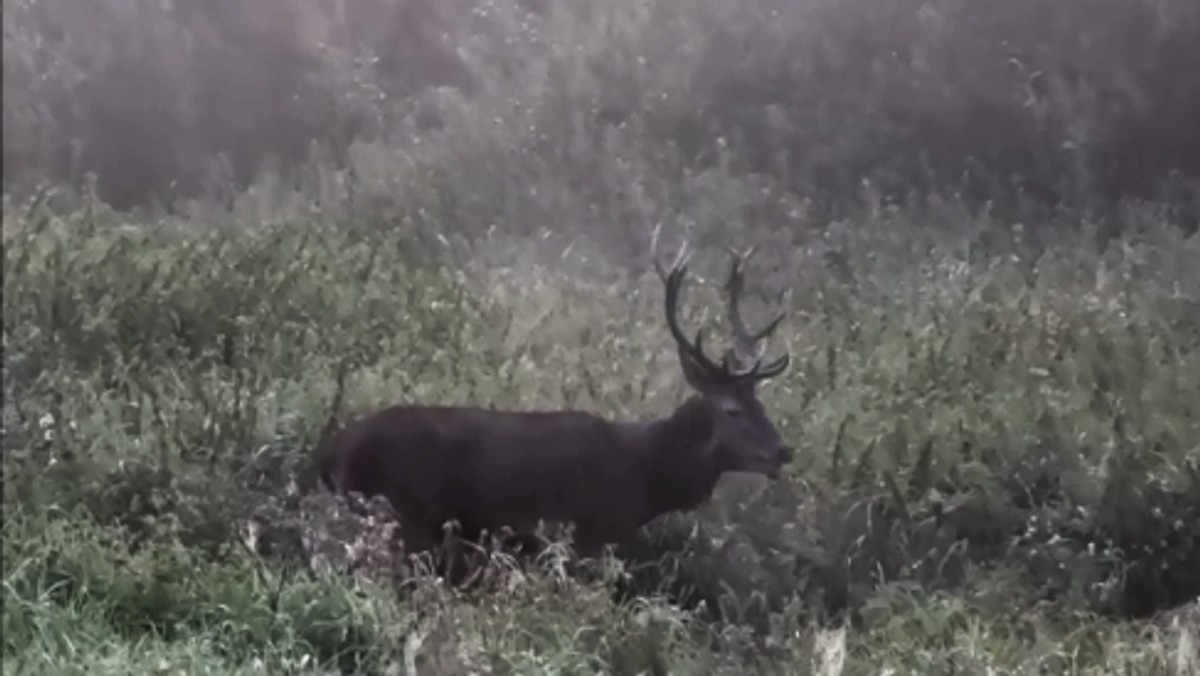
743	437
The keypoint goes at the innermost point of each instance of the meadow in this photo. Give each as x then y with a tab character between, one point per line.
981	223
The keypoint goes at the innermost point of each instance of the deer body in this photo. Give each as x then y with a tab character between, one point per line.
489	469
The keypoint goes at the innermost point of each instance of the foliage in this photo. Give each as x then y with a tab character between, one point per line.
980	422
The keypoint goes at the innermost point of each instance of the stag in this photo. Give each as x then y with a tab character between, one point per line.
488	470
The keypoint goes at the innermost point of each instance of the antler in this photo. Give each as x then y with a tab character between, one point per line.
747	344
744	340
672	279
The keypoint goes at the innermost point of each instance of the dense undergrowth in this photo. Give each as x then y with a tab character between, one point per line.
981	224
981	436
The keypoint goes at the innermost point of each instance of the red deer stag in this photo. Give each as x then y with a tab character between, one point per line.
488	469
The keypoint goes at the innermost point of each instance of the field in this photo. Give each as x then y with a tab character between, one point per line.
993	312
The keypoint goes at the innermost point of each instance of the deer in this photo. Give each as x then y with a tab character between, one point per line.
490	470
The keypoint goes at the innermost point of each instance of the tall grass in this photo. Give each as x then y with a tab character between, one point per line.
978	222
981	430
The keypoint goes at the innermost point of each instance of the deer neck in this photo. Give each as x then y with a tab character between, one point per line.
685	466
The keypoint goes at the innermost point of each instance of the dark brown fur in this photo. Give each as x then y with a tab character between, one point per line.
488	469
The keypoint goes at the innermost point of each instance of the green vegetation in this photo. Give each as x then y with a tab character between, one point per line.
994	390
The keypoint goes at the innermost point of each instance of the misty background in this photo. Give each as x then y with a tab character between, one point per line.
589	117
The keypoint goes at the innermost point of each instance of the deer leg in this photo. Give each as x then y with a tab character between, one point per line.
524	543
590	539
456	547
469	549
421	541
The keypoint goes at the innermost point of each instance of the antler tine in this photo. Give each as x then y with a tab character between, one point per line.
673	279
746	343
772	369
681	258
743	343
